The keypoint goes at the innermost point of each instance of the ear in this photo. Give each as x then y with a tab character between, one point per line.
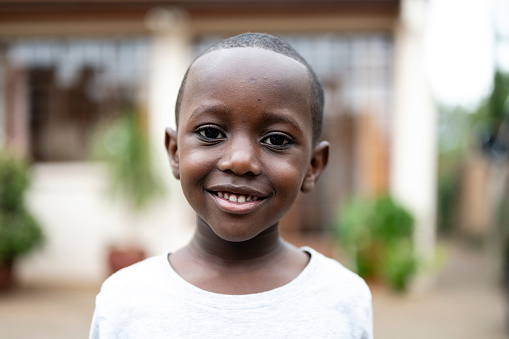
319	160
170	142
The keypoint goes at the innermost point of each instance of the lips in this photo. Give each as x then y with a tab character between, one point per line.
237	200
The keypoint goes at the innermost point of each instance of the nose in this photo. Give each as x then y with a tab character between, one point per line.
240	157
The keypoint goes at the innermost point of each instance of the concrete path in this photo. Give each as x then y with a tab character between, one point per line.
46	313
465	303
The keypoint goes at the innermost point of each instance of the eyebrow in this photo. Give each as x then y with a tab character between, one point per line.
271	117
204	108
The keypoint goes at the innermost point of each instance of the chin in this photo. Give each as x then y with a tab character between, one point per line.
235	235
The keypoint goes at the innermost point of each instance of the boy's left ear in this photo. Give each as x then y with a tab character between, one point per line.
319	160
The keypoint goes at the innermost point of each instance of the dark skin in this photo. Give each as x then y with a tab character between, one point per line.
243	152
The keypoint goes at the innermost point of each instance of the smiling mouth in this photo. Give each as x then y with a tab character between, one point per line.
238	198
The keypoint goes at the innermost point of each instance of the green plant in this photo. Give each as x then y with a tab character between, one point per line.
19	231
124	146
378	236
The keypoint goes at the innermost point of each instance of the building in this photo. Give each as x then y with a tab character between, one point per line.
67	65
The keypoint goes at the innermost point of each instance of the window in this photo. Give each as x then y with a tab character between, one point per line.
64	88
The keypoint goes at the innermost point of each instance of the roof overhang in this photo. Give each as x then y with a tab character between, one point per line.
44	10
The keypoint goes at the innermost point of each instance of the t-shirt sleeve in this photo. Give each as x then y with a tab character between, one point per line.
102	326
368	324
96	325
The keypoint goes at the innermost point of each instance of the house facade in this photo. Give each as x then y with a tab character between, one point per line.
68	66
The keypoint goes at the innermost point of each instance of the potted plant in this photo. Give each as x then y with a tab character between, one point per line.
123	145
19	230
377	236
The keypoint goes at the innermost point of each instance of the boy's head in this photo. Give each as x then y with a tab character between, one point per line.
274	44
246	140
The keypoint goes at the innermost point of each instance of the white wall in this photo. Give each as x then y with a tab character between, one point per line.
80	221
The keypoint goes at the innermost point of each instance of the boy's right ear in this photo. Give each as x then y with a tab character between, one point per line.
170	141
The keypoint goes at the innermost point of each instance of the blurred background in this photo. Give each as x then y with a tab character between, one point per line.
415	197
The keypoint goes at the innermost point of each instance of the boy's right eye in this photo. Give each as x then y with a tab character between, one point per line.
211	133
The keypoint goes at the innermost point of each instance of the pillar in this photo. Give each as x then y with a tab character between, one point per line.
413	156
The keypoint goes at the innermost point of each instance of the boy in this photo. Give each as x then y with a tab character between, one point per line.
248	115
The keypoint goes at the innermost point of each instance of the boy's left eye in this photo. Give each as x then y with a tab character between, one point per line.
277	140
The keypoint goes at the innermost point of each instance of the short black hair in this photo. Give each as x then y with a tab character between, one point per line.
274	44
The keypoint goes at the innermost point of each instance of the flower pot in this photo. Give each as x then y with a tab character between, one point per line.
6	274
121	257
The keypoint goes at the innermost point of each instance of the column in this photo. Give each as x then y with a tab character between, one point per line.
170	56
413	158
172	219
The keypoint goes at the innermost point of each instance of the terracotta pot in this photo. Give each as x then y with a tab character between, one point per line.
121	257
6	274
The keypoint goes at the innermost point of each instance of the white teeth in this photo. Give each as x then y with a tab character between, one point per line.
236	197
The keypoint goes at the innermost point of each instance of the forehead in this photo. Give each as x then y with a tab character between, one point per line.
246	72
249	60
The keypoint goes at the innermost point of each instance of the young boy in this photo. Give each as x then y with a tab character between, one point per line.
249	115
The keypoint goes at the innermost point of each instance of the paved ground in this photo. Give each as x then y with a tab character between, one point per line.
44	313
464	303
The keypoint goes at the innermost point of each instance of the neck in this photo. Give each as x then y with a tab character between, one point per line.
208	246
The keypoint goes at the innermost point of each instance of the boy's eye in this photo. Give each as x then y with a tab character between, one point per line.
277	140
211	133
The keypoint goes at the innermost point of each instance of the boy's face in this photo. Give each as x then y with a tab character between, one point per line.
243	150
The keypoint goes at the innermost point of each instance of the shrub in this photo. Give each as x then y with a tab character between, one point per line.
377	234
125	148
19	231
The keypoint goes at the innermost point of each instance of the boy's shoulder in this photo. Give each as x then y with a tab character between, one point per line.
329	274
140	275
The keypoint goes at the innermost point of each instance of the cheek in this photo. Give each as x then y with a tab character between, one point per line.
192	157
288	176
195	160
194	165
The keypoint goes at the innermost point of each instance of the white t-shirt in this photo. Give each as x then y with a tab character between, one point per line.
150	300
